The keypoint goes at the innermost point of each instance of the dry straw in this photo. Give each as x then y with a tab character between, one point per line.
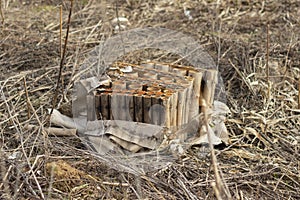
262	161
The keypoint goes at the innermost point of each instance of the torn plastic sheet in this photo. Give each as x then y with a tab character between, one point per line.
102	142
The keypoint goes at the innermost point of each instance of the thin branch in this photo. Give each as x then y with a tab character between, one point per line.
60	31
218	186
119	25
27	97
62	59
267	61
299	93
1	13
17	126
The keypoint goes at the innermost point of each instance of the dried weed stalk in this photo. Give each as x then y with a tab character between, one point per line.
62	58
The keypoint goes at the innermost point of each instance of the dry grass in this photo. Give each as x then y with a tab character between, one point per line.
262	161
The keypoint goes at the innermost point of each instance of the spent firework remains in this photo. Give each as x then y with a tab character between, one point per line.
157	94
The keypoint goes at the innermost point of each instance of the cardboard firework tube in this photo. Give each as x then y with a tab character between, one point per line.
171	110
138	107
162	67
148	65
166	79
209	85
192	105
115	105
121	112
214	83
167	105
190	109
154	88
134	86
133	74
149	75
91	109
130	106
166	102
98	106
119	85
179	71
146	108
174	109
156	111
187	86
180	107
195	97
185	106
105	106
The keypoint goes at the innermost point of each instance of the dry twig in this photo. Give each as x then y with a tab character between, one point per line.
62	59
